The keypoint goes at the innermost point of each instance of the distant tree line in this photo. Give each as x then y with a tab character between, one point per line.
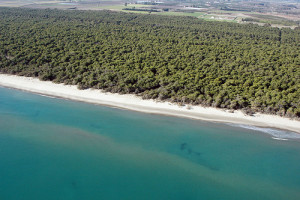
177	59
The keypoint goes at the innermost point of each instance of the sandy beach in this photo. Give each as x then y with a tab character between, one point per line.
135	103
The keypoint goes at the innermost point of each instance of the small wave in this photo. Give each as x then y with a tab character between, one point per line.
44	95
275	138
276	133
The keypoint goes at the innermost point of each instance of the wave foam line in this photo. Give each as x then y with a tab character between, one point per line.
276	133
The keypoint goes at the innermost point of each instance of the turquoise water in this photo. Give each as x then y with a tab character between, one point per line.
59	149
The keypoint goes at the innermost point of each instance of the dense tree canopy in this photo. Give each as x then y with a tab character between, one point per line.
180	59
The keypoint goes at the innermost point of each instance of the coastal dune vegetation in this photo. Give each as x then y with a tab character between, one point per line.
183	60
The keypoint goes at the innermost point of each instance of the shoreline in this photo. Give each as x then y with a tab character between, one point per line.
135	103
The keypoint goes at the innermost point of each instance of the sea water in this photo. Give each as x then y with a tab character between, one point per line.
59	149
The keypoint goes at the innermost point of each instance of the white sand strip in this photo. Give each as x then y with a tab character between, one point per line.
133	102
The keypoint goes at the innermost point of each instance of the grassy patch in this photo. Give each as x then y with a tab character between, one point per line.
275	20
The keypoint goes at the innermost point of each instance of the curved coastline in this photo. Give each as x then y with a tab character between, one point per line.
132	102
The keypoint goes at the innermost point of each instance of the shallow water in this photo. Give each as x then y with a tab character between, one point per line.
59	149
